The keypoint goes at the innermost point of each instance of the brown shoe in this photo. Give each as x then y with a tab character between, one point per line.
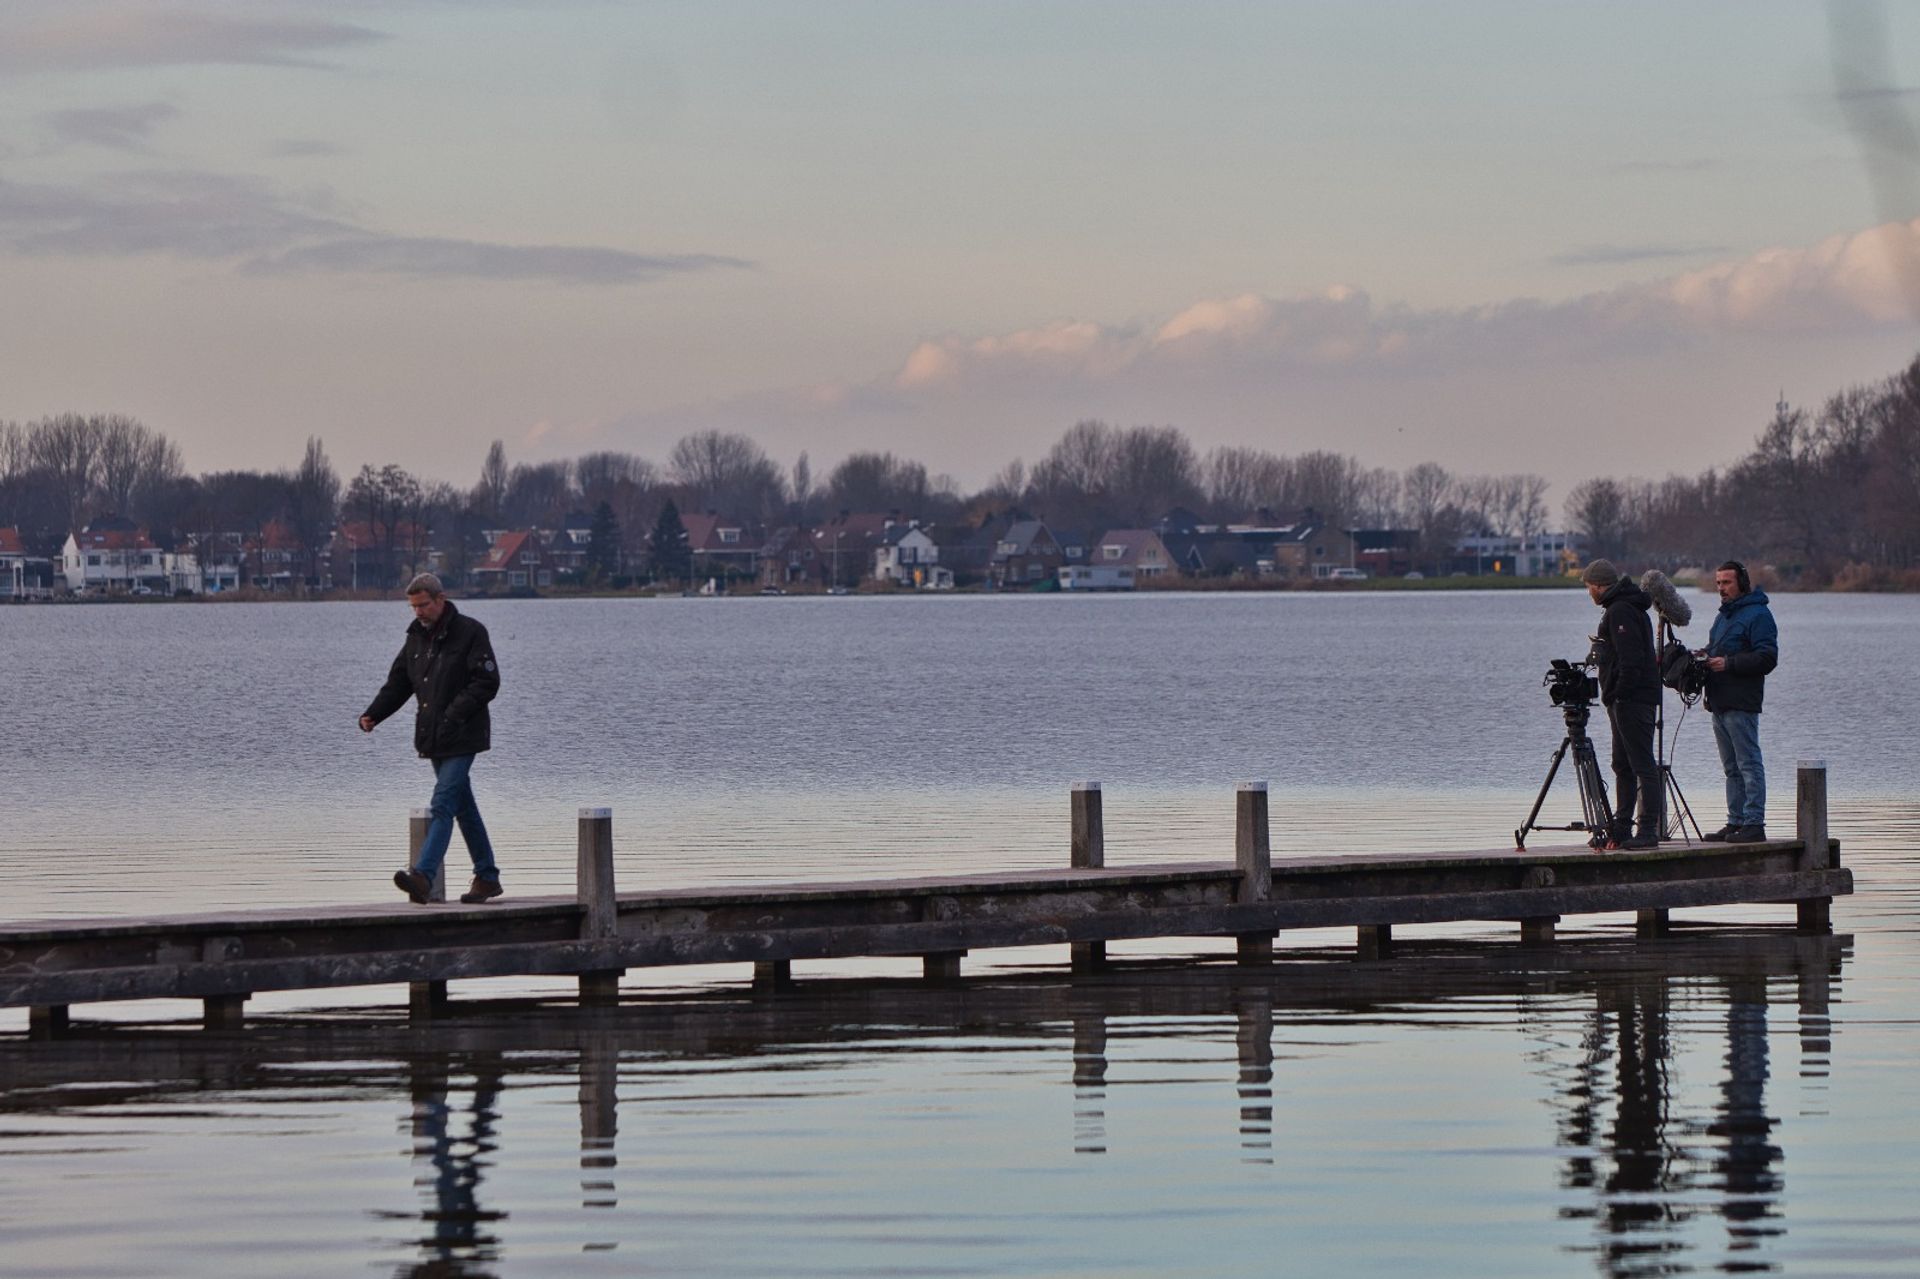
482	890
413	884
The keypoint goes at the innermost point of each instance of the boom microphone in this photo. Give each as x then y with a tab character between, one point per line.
1667	601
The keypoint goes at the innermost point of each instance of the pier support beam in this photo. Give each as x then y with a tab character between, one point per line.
1815	914
599	907
425	998
942	968
1373	941
223	1012
770	975
1538	931
1088	851
1253	858
1651	923
47	1019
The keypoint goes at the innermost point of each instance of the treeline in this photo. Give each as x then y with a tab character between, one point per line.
1829	497
1819	496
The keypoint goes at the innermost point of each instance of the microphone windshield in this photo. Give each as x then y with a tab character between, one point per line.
1667	600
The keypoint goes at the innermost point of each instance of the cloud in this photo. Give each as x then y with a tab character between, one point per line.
1617	254
218	217
82	36
467	259
1844	283
302	148
117	128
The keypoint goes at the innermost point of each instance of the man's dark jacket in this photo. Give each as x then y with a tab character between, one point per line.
1628	670
1745	634
449	669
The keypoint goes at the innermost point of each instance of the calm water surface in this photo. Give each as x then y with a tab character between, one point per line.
1732	1099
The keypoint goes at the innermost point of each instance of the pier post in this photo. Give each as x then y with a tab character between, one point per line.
1373	941
223	1012
1253	858
1815	913
1538	930
943	967
1651	923
599	909
425	998
1088	851
46	1019
772	975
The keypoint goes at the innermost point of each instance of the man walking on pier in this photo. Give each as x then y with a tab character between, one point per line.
447	665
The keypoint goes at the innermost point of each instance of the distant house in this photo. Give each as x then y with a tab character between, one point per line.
114	556
1385	552
22	576
516	561
272	558
908	556
720	545
1025	554
1298	546
1139	549
1095	577
844	546
786	556
364	556
1537	555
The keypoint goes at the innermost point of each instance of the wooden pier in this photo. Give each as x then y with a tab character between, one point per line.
598	933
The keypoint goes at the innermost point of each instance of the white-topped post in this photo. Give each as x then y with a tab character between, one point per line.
1087	851
1253	858
1810	820
599	910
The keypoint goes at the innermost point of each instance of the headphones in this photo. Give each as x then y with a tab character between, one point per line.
1740	575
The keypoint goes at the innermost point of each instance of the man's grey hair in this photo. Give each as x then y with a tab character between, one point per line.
425	582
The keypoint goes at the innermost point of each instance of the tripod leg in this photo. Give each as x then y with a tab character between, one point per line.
1679	813
1593	791
1520	836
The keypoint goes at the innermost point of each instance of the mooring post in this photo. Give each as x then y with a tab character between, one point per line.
1815	913
1538	930
942	967
425	998
599	910
1373	941
1651	922
1253	858
771	976
1088	851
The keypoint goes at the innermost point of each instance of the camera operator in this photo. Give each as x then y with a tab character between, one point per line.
1742	647
1630	690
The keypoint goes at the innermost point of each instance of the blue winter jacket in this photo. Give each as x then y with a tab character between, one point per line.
1744	633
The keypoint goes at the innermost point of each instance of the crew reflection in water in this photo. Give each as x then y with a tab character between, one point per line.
457	1154
1651	1172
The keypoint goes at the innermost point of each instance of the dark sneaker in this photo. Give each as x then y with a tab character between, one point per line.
1721	836
1641	841
482	890
1747	835
413	884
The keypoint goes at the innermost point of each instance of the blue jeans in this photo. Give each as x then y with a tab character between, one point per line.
1737	733
453	802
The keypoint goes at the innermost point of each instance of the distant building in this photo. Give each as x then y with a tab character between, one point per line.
720	546
908	556
114	556
1024	555
517	560
1096	577
1138	549
1534	555
23	576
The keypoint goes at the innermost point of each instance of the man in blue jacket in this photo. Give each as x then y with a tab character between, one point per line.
1742	647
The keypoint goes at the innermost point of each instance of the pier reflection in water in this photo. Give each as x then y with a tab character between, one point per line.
1649	1173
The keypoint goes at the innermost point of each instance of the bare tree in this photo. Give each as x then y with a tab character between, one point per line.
65	449
727	472
1597	509
1329	483
878	482
1242	480
315	501
490	495
1151	470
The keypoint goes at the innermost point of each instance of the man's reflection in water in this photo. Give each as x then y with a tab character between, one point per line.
1652	1172
456	1245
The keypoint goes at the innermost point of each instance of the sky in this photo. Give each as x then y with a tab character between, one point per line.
1567	239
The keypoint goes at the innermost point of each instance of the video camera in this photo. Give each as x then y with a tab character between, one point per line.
1570	684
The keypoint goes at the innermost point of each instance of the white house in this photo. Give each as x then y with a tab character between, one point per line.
114	558
906	556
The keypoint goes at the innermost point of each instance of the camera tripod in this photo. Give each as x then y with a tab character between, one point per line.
1586	773
1675	813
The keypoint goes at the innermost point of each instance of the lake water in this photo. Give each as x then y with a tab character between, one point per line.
1732	1099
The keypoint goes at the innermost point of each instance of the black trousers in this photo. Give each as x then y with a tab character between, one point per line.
1636	773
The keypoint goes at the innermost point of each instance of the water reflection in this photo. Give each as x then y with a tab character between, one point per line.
1642	1161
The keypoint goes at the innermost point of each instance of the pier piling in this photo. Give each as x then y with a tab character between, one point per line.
1253	859
1087	850
1815	914
599	908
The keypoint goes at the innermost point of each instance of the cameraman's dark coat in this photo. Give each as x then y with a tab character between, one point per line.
1745	634
449	670
1623	650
